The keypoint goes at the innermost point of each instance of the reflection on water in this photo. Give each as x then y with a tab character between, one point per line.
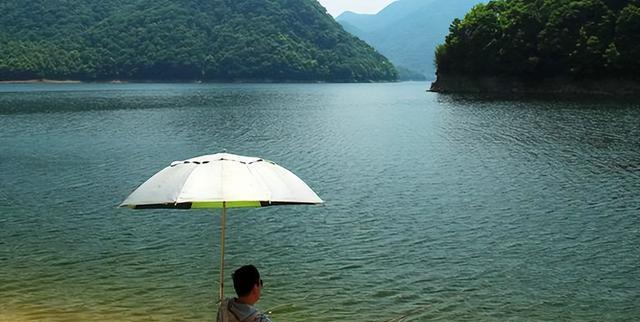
439	207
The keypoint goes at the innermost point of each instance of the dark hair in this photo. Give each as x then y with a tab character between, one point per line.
244	278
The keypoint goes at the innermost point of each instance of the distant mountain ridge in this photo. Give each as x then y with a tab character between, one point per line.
407	31
186	40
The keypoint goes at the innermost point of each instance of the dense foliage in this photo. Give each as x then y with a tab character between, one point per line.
405	74
181	40
545	38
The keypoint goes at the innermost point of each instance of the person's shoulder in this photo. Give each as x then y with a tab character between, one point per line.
224	315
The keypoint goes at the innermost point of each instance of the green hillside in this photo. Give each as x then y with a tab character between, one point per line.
524	39
216	40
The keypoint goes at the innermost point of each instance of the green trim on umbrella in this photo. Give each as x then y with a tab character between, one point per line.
229	204
216	204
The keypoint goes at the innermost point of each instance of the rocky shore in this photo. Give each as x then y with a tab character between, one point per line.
560	85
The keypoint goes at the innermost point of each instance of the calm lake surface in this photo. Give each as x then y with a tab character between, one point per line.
438	207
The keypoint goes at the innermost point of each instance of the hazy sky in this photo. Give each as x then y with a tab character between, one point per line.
336	7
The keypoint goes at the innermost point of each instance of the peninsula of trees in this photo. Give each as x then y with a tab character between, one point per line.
182	40
521	45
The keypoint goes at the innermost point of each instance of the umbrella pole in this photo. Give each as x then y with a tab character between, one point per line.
223	222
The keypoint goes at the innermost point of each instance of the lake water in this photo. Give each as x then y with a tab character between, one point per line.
438	207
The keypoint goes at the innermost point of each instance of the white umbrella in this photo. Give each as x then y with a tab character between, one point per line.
221	180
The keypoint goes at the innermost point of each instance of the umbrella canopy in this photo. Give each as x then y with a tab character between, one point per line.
221	180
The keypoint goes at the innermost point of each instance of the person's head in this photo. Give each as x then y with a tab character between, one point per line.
247	283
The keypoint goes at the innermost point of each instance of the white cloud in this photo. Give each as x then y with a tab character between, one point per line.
336	7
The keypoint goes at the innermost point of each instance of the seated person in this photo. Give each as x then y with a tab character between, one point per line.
248	286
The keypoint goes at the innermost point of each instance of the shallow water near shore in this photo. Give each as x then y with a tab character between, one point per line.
438	207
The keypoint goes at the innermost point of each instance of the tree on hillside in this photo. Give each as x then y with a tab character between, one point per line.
544	38
215	40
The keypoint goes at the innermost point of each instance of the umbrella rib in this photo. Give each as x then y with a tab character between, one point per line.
222	192
262	183
175	202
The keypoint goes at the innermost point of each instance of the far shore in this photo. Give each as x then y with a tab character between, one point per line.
146	81
550	86
40	81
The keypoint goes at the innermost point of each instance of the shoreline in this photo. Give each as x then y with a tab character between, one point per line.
177	81
40	81
552	86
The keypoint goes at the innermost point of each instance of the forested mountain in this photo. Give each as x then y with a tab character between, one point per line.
541	39
220	40
408	31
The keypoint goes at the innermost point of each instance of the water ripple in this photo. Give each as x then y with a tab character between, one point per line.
438	207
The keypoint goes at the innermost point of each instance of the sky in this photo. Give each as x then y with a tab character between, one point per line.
336	7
